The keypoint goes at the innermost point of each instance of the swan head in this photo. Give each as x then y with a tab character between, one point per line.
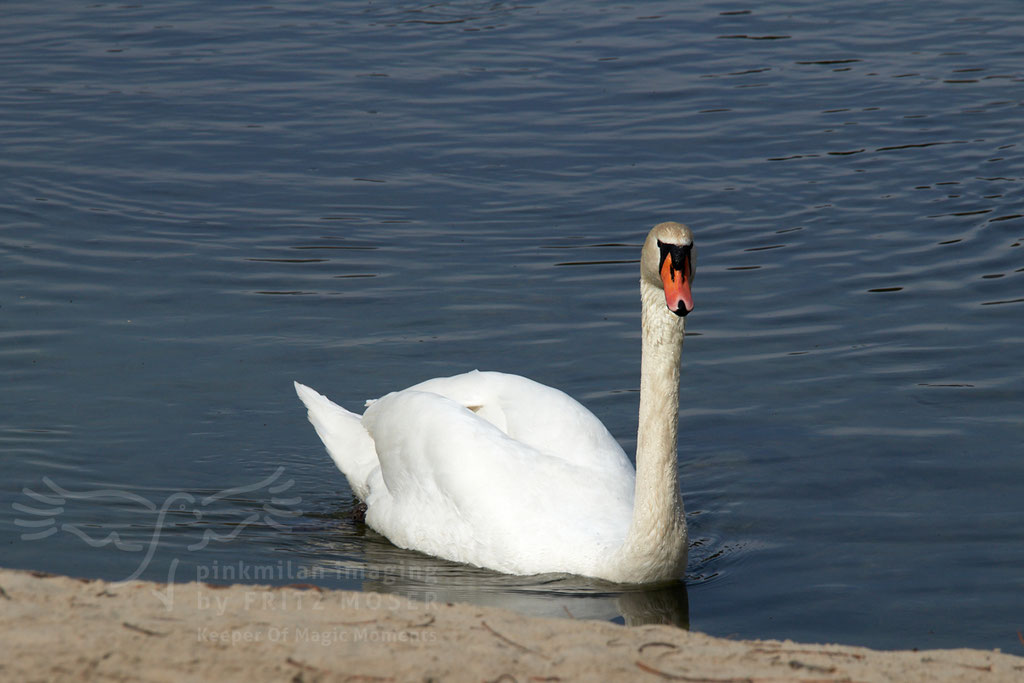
668	262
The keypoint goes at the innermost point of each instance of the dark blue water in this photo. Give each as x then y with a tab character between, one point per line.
201	202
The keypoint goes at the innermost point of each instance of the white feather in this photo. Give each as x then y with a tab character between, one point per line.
499	471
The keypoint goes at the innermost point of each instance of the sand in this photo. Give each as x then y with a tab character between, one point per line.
60	628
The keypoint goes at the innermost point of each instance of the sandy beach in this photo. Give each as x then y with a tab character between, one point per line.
60	628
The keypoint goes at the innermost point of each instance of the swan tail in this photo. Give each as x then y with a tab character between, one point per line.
347	441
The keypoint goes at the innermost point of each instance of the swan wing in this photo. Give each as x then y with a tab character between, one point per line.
451	483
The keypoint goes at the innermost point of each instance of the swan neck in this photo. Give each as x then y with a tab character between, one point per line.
657	534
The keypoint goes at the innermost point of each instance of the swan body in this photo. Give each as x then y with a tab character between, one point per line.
499	471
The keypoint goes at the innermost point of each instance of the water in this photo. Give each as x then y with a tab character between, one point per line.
201	203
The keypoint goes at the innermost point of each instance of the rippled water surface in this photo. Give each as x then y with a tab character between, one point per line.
202	202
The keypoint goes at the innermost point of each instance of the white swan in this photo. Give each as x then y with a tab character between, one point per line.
501	472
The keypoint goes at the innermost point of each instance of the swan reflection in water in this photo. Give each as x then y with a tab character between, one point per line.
381	567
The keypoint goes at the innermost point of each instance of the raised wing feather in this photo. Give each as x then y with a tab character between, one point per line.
535	414
348	444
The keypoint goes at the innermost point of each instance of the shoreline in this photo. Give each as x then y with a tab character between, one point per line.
61	628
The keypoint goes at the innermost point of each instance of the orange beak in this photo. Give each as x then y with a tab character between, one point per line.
678	297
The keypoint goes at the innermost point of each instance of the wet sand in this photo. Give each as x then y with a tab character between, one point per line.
60	628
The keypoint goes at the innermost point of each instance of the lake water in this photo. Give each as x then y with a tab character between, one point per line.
201	202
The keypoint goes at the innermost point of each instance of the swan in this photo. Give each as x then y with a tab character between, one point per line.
498	471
